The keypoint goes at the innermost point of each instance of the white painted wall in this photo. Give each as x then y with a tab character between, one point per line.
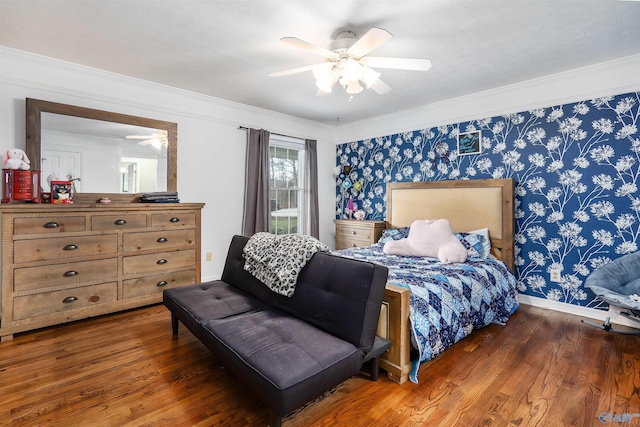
211	149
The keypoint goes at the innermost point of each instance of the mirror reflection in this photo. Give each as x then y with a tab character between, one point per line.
103	156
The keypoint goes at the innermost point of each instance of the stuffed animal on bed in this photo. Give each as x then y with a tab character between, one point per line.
432	238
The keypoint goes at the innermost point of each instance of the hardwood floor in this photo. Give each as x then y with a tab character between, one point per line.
543	368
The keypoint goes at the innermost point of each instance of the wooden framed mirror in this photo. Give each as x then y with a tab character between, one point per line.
108	154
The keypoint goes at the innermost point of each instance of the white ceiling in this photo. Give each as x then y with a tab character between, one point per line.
226	48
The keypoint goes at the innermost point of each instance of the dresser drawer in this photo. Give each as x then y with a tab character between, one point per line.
30	278
175	219
56	248
58	301
118	222
156	284
162	261
164	239
49	224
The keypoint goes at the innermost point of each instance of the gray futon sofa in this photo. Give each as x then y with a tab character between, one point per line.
288	350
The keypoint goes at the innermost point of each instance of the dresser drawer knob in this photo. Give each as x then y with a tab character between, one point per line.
353	232
70	248
52	224
70	273
161	261
162	240
161	284
174	219
120	222
68	300
353	245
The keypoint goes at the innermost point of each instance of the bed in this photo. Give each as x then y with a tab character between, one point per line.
468	205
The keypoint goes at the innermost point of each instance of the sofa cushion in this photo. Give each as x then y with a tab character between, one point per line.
286	361
195	304
339	295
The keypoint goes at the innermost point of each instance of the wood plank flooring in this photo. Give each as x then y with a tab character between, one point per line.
543	368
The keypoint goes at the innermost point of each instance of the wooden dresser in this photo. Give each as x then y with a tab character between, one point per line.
68	262
352	233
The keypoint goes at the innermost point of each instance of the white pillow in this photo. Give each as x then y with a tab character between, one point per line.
486	248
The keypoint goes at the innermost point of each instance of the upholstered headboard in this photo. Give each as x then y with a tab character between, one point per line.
467	204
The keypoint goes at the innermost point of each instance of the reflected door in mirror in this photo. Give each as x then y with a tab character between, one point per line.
60	165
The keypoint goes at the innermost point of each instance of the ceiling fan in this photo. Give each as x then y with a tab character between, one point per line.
157	139
346	62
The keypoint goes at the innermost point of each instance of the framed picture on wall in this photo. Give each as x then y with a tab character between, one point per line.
470	143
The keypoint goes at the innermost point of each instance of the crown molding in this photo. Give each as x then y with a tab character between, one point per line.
608	78
68	82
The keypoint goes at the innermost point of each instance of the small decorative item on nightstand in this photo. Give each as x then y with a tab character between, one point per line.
61	192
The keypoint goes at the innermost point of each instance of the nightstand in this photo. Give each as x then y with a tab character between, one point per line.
351	233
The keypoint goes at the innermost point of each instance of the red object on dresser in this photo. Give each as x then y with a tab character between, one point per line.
20	185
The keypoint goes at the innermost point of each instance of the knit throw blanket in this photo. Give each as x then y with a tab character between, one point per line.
277	260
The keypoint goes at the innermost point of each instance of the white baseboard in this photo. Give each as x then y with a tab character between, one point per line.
590	313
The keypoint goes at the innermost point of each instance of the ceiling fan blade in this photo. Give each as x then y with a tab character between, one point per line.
380	87
293	71
414	64
374	38
293	41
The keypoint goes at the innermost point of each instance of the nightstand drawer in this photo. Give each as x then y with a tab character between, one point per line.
345	243
354	232
68	299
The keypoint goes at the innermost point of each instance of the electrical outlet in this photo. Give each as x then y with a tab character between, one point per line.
555	275
209	256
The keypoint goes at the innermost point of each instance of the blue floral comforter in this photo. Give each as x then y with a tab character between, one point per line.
448	301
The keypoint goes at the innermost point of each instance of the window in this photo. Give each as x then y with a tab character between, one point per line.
286	184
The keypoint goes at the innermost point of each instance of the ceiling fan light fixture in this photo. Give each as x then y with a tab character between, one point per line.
325	85
325	76
370	76
346	61
353	87
322	71
352	70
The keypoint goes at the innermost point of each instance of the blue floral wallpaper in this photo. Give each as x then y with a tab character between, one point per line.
576	169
